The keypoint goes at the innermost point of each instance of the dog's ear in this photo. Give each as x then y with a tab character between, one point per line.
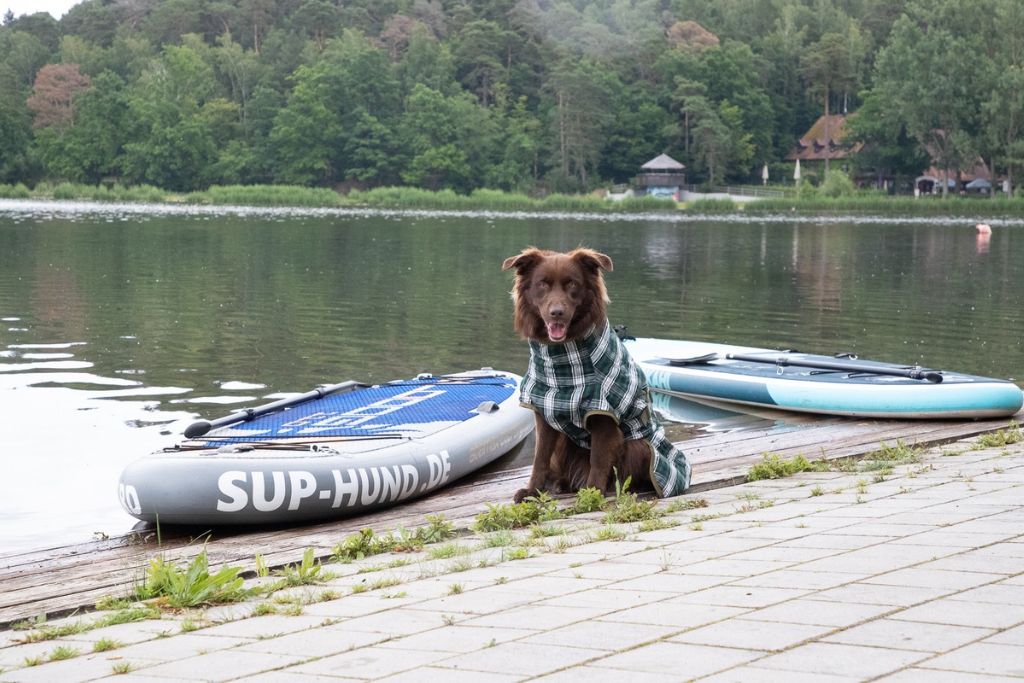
524	261
591	260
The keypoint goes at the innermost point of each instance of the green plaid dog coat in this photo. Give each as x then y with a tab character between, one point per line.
566	383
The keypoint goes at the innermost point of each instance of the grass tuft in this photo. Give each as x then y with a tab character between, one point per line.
774	467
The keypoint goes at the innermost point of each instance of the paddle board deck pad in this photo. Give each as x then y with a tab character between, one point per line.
703	371
332	456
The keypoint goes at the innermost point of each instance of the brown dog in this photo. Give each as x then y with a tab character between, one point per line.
592	410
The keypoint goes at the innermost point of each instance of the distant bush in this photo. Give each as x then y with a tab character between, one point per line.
837	184
18	191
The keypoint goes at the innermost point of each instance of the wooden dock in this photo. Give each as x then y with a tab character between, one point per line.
61	580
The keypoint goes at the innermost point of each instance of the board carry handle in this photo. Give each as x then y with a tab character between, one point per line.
933	376
197	429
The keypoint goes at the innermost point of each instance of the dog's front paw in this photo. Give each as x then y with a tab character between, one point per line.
522	494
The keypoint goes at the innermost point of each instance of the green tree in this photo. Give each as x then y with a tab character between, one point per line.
834	64
1003	112
579	119
24	54
517	139
427	61
171	144
937	98
91	150
307	131
888	149
479	50
446	138
15	127
718	138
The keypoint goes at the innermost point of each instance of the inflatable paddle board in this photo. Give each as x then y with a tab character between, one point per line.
784	380
331	452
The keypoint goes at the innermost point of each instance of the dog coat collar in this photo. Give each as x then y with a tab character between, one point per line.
568	382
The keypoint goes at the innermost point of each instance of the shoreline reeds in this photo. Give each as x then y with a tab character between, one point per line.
410	198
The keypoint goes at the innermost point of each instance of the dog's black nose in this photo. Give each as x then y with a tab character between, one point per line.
557	311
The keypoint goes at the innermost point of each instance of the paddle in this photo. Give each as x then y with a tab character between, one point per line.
197	429
915	372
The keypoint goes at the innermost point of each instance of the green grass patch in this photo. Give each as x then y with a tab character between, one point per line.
505	516
1000	438
190	586
365	543
106	644
588	499
304	573
62	652
772	466
627	507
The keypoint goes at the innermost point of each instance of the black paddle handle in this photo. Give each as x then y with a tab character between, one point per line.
915	372
197	429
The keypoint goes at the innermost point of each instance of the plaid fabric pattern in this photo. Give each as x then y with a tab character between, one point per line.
567	383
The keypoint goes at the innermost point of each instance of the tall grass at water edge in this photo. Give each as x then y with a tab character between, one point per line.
266	195
81	191
811	202
873	203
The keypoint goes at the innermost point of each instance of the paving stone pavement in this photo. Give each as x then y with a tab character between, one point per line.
909	574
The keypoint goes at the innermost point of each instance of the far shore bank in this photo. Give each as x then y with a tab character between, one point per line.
283	196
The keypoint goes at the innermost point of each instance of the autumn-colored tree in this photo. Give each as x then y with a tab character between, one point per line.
53	95
690	36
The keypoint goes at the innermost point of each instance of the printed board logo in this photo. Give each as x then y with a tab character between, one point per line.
129	498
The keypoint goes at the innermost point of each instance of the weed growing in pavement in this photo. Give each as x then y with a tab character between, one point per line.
44	632
192	586
609	533
627	507
365	542
263	609
999	438
817	491
499	516
122	668
62	652
448	551
262	571
588	499
772	466
681	504
515	553
306	572
106	644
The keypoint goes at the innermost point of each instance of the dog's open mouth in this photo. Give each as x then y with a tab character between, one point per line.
556	331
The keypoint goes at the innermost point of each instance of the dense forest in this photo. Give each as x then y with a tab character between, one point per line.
524	95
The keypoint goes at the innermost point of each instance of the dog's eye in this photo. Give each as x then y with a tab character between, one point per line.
571	286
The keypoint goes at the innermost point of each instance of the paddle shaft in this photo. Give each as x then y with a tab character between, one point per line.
197	429
844	366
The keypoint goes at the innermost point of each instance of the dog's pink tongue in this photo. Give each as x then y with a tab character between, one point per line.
556	331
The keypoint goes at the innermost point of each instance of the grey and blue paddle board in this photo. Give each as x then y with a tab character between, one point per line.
333	456
811	383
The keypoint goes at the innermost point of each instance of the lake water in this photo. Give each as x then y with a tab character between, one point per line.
121	325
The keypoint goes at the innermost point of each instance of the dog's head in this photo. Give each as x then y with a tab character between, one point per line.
558	297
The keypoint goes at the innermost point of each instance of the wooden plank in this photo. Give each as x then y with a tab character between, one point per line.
64	579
